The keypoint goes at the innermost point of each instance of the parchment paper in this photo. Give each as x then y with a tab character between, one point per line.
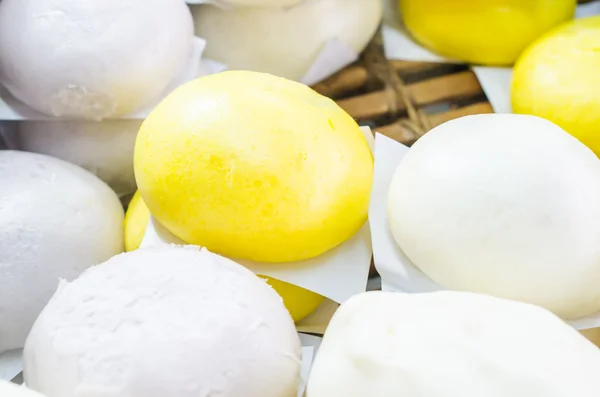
317	322
397	272
11	364
310	346
337	274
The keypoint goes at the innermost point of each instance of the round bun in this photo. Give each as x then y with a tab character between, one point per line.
489	32
169	321
254	166
506	205
105	148
56	220
451	344
557	79
240	38
8	389
92	59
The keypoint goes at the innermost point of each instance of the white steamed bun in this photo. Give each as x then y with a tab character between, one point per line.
506	205
56	220
164	321
105	148
8	389
94	58
284	41
448	344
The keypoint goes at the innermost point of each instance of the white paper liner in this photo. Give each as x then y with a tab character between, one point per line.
397	272
337	274
310	346
11	364
317	321
334	56
495	83
12	109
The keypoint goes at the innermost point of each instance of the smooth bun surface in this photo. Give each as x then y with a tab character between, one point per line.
557	78
488	32
505	205
105	148
254	166
448	344
56	220
169	321
244	38
92	59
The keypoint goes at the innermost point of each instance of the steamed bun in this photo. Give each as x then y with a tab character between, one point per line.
449	344
284	41
506	205
105	148
56	220
94	58
166	321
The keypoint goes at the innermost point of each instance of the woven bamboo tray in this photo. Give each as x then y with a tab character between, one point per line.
403	100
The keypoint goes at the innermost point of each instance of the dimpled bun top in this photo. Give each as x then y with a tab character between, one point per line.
56	220
169	321
448	344
8	389
506	205
254	166
94	58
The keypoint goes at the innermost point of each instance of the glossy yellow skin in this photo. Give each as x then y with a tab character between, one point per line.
299	301
558	78
487	32
254	166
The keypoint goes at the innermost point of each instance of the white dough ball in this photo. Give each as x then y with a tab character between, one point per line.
105	148
164	321
448	344
8	389
284	41
56	220
94	58
506	205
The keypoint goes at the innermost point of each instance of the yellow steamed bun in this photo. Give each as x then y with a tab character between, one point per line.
299	301
489	32
558	78
254	166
